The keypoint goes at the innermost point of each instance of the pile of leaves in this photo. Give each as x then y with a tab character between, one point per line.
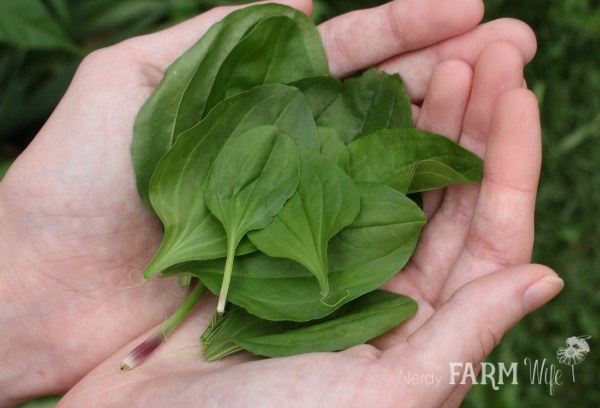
289	193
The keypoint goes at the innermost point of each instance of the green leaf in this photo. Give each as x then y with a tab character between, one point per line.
248	184
412	160
263	57
320	91
297	226
356	323
250	180
28	24
326	201
333	148
177	186
362	257
373	101
201	77
381	239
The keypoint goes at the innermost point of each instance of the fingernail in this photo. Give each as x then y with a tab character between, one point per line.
542	291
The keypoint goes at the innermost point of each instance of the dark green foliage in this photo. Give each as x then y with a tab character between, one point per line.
368	316
361	258
249	182
276	105
34	74
235	163
325	201
372	101
231	58
412	160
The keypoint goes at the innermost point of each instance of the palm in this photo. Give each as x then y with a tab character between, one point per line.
88	227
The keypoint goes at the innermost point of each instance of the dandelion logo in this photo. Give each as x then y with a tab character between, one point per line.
575	352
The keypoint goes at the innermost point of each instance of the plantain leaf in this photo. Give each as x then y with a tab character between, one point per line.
333	148
373	101
251	179
382	237
261	57
326	201
284	189
249	182
221	63
177	187
355	323
320	91
362	257
412	160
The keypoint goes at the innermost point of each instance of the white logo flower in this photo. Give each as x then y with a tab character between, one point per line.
575	352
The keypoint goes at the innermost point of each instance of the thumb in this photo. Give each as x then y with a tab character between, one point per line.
471	323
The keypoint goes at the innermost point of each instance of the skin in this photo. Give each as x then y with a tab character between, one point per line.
75	235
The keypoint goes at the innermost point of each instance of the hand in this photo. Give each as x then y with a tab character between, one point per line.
74	232
470	275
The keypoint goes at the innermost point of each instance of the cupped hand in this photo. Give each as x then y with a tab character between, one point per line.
75	234
470	275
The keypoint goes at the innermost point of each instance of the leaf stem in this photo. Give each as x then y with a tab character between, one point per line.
142	351
231	247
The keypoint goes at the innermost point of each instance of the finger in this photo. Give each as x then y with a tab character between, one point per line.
505	211
416	67
361	39
512	169
163	47
443	111
499	68
502	230
446	100
471	324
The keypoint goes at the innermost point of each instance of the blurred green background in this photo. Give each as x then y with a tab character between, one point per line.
43	41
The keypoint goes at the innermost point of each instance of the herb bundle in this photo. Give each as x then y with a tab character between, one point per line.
284	190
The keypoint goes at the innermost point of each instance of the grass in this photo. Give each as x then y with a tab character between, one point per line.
565	75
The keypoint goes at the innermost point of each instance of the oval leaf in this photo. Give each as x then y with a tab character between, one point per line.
182	98
251	179
325	201
412	160
248	184
362	257
177	186
355	323
373	101
333	148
